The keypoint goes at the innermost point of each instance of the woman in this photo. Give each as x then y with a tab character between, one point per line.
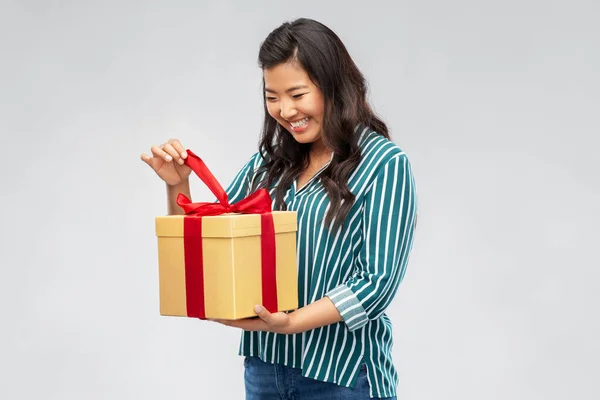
324	154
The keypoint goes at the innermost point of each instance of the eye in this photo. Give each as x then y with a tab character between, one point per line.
298	96
269	98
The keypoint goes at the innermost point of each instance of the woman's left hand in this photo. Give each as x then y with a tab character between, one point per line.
278	322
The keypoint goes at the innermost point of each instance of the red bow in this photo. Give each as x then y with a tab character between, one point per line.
258	202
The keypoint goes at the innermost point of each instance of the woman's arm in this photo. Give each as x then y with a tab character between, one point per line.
315	315
388	224
172	193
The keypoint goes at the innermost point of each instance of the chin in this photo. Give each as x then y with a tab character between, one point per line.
304	139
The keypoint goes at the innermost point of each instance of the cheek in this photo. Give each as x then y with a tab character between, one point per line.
273	110
316	108
321	107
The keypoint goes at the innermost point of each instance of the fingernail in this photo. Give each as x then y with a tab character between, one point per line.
184	154
180	161
168	158
258	309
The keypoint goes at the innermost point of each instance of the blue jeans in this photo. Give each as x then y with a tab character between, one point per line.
265	381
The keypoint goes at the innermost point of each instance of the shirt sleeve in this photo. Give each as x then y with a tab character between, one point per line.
388	224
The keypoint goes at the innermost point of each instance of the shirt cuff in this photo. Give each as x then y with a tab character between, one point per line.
349	307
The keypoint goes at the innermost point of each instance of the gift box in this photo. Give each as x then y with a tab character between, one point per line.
219	260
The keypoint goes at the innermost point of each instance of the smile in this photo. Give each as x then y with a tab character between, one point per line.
298	125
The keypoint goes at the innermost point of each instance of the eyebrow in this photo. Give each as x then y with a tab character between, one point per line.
289	90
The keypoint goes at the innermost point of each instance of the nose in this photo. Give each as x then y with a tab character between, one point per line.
287	110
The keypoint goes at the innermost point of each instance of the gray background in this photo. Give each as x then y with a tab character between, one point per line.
496	104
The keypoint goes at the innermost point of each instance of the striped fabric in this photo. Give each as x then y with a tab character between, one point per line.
358	268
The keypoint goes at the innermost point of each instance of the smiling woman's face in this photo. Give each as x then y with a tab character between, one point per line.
294	101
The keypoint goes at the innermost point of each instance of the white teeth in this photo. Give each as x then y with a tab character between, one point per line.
299	123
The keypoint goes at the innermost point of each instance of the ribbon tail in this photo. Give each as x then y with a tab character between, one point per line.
194	267
198	166
269	267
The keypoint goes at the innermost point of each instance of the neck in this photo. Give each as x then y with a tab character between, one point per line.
318	150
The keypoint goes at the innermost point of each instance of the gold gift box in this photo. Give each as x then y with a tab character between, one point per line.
231	247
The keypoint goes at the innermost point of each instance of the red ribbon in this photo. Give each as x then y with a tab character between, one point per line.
258	202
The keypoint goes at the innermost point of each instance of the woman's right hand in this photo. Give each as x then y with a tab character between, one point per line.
168	162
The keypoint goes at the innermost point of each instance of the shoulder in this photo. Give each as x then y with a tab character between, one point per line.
377	151
254	162
252	168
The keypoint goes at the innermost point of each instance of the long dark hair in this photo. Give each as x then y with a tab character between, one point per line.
321	53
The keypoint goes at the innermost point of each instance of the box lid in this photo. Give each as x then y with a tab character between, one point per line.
227	225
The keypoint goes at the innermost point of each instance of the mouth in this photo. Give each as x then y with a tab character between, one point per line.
299	126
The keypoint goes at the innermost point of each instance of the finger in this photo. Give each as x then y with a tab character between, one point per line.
146	158
170	150
179	147
151	161
159	152
263	313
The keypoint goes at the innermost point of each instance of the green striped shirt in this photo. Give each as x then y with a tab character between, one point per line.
359	268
